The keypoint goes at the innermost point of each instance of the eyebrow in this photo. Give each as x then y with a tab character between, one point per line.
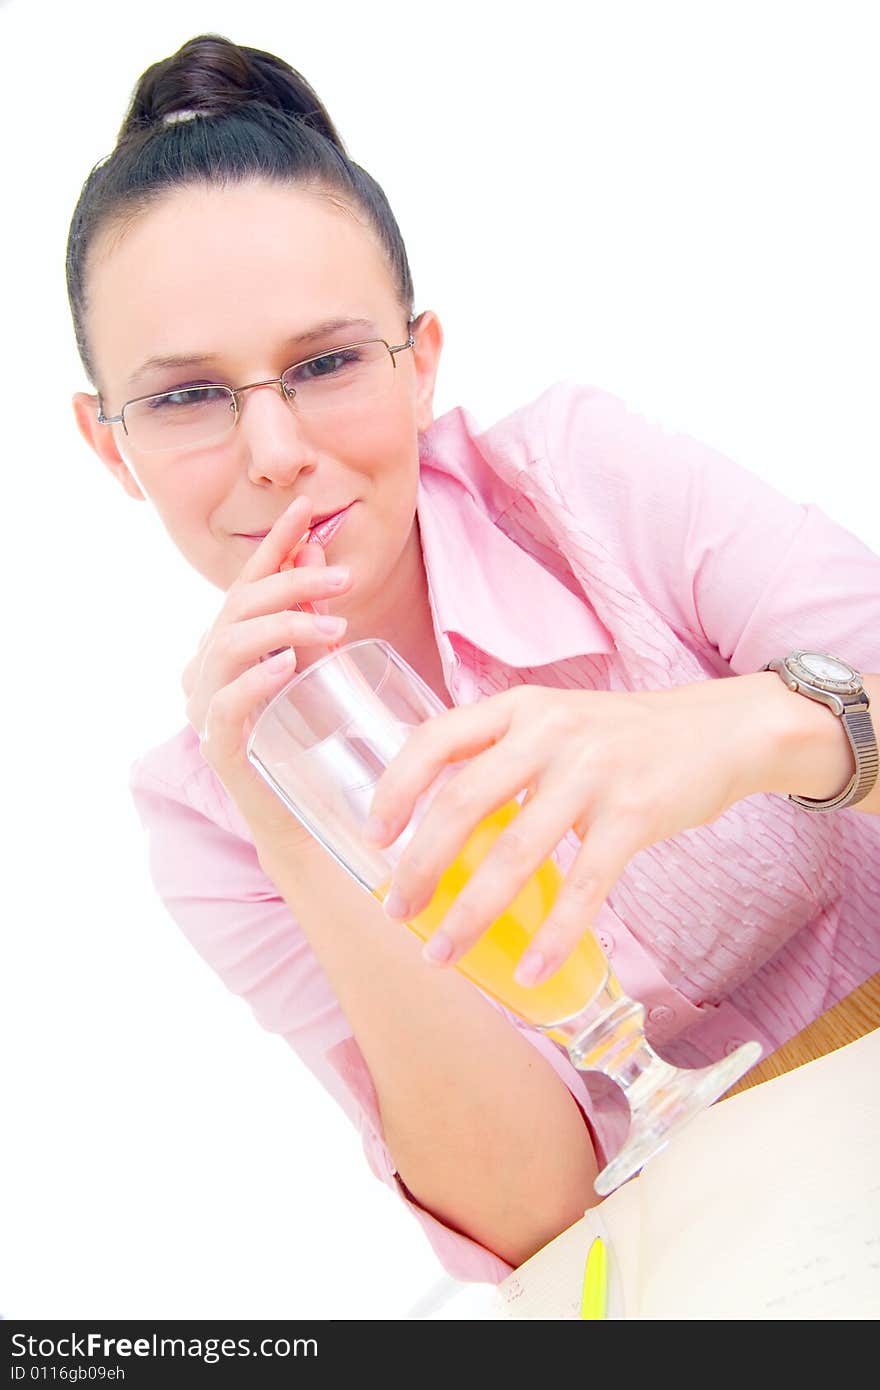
204	359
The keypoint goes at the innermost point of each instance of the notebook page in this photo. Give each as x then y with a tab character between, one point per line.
768	1205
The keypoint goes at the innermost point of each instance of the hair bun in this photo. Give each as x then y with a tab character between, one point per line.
209	75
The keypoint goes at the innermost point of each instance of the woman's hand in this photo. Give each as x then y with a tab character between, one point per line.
232	675
622	770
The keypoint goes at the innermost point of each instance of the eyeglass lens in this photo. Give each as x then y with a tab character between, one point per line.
339	382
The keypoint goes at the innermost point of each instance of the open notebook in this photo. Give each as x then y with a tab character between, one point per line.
767	1206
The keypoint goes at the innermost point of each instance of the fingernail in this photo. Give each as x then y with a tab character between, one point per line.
530	968
375	830
331	627
439	949
394	905
337	575
282	660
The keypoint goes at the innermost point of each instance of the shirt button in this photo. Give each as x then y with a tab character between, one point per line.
731	1045
606	941
661	1013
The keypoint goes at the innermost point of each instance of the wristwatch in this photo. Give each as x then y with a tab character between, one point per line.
838	685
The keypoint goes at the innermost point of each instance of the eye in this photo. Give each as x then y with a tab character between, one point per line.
188	396
329	364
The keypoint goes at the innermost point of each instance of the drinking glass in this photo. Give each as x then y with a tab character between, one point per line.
323	742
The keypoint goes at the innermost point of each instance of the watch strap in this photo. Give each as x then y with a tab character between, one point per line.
863	741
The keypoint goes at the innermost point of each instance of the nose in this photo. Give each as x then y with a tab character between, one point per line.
271	434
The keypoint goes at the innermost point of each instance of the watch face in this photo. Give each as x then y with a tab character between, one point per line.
826	668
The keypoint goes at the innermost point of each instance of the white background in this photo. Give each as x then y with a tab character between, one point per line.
676	202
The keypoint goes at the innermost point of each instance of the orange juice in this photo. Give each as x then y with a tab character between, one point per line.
491	961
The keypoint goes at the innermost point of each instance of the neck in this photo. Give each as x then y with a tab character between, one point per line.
403	617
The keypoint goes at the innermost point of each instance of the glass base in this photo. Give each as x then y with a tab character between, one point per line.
609	1037
674	1102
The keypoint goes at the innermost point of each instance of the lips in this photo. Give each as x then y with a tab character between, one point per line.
318	523
324	527
325	516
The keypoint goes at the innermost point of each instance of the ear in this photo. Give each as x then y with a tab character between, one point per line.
100	438
428	334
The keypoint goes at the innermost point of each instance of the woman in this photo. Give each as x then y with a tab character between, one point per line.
592	598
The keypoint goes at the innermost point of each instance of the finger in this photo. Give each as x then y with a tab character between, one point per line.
311	557
608	846
452	736
254	642
453	814
230	714
287	534
311	554
288	589
302	555
524	843
194	665
242	644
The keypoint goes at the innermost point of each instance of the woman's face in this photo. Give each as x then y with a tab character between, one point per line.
234	279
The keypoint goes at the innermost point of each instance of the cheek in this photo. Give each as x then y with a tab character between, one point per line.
186	491
385	450
377	443
185	510
396	479
185	503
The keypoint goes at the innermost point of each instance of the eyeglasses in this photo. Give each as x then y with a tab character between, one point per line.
339	381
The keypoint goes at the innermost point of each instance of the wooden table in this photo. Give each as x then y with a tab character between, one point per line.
856	1014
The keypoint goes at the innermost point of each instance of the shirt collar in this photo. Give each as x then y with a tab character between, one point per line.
485	588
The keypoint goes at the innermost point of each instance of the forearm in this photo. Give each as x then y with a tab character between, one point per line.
482	1130
800	746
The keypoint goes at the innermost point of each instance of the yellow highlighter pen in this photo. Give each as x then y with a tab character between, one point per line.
594	1299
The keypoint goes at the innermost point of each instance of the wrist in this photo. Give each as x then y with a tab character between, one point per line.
806	750
280	844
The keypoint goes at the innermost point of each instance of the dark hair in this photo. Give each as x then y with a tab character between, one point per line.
216	112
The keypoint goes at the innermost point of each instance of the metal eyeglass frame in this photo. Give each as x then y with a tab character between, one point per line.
288	393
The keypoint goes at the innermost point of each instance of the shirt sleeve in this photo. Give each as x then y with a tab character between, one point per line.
210	880
724	557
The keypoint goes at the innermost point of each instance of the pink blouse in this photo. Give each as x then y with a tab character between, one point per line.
575	544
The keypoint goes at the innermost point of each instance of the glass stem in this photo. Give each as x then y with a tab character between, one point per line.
608	1036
